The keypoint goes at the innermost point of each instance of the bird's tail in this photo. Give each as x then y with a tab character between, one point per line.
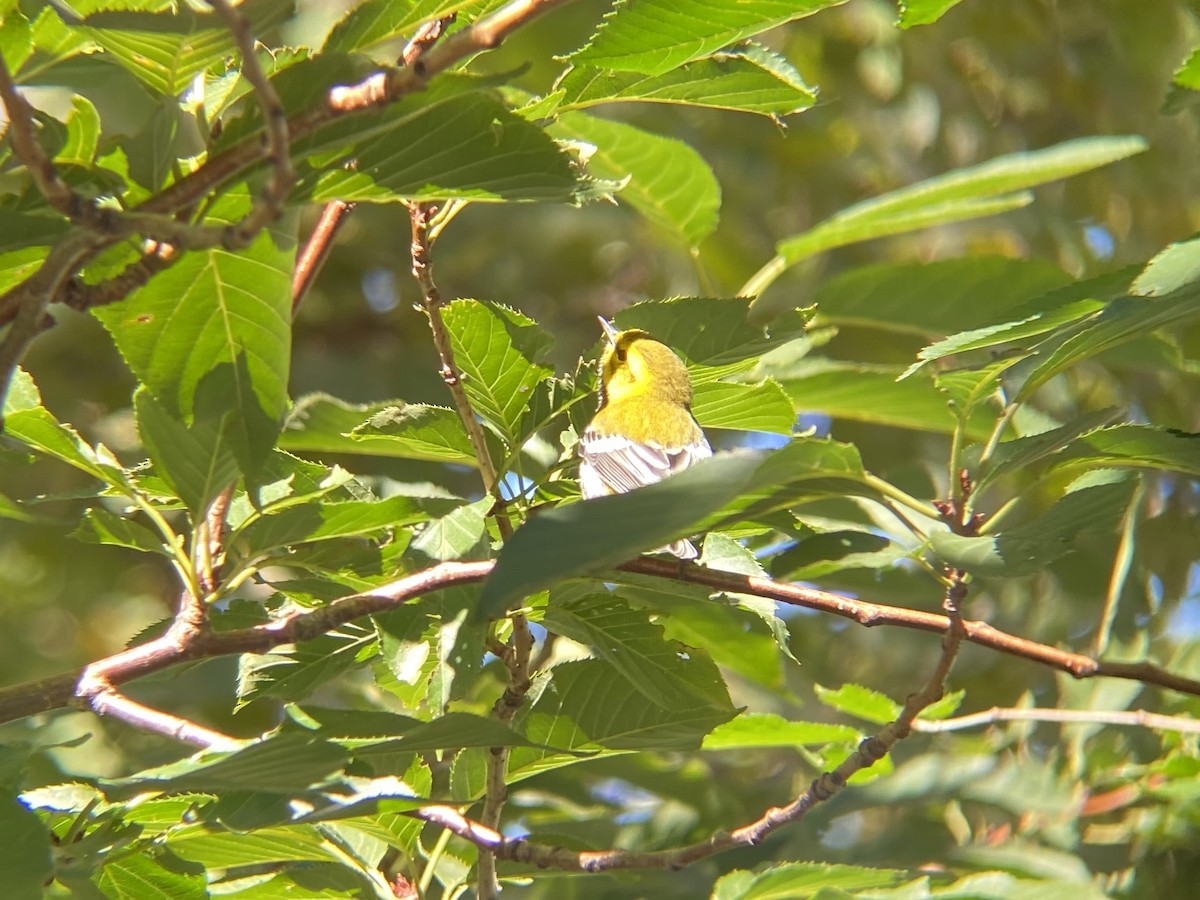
684	549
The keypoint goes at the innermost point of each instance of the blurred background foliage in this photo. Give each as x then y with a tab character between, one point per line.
895	106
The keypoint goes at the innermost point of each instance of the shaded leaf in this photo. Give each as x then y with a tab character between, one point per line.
668	182
752	730
497	349
391	428
468	147
749	79
1093	504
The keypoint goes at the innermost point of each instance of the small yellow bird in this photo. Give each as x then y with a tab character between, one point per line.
644	429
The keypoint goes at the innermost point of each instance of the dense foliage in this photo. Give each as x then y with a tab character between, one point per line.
945	326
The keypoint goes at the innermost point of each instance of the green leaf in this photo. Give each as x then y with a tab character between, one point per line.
613	713
25	866
27	421
584	537
16	39
923	12
750	79
753	730
985	189
416	431
1094	504
581	538
1188	74
1136	446
215	328
376	21
869	393
861	702
935	298
496	350
744	407
197	460
468	147
100	526
627	640
454	730
832	551
1025	451
1171	269
167	50
1121	321
292	672
1040	316
319	423
284	763
655	36
83	134
265	846
800	880
323	520
668	182
137	876
433	650
456	534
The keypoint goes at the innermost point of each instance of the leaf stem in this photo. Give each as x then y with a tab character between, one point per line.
894	493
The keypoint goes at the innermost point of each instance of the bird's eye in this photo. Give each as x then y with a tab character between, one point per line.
621	353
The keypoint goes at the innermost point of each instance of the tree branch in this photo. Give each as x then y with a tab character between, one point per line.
1136	717
104	700
517	660
56	692
431	302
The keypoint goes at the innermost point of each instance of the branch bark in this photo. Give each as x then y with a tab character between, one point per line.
58	691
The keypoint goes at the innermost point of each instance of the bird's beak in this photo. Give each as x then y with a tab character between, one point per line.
609	332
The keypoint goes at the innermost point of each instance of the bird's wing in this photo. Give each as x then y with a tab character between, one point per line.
611	464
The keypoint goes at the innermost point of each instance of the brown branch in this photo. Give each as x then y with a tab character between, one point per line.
22	129
56	692
78	295
316	249
269	205
516	658
30	299
431	302
424	38
104	700
872	614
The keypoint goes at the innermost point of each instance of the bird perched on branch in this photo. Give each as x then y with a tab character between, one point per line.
644	429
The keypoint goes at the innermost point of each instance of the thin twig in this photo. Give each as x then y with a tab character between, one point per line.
431	303
316	249
22	130
31	299
79	295
517	659
1137	718
269	205
104	700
